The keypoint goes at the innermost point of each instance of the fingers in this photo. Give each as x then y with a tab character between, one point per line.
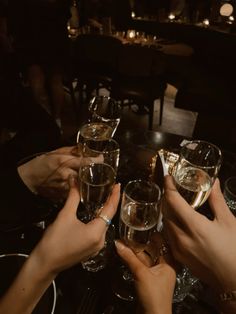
109	208
73	199
68	150
217	202
129	257
176	206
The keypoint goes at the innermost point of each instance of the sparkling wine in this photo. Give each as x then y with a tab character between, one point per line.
95	131
193	184
136	230
113	123
96	182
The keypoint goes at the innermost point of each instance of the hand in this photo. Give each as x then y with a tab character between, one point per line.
206	247
47	174
69	241
154	284
66	242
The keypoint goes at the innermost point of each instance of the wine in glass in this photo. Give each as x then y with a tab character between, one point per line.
196	170
105	109
194	174
107	151
95	183
95	131
139	215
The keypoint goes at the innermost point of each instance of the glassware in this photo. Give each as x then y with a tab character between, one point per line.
194	173
196	170
99	262
230	193
108	151
139	215
96	182
95	131
105	109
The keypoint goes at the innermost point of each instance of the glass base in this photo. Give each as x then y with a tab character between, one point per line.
123	285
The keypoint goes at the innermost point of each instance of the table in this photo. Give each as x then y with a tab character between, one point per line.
75	285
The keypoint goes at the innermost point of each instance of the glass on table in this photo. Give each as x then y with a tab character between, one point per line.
230	193
139	216
105	109
196	170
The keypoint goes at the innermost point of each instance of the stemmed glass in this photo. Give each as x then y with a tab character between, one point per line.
139	215
194	174
108	151
105	109
196	170
95	131
95	183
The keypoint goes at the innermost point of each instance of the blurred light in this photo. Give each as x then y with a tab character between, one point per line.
231	18
131	33
206	22
171	16
133	14
226	9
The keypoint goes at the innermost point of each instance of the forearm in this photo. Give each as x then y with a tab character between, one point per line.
28	287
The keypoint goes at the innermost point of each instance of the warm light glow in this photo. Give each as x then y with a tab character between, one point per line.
171	16
231	18
206	22
131	33
133	14
226	9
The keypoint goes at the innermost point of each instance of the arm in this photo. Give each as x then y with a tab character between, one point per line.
57	251
205	246
154	284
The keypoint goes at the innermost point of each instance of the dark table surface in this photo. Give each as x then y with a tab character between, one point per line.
75	286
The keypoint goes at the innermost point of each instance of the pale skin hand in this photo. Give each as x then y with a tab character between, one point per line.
154	284
66	242
206	247
47	174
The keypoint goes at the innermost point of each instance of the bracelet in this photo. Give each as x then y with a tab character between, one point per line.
228	296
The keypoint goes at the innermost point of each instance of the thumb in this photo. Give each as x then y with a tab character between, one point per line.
73	198
130	258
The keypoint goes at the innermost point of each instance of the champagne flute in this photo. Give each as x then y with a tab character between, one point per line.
105	109
194	173
139	215
196	170
108	151
95	131
95	183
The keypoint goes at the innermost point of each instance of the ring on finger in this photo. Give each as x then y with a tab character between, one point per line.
105	218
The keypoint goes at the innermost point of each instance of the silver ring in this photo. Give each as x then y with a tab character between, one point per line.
163	249
105	219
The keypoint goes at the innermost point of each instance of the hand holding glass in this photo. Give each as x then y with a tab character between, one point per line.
196	170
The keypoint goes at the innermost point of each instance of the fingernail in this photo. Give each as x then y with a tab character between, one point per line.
72	180
119	245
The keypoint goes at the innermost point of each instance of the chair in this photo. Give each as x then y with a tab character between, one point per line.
139	78
95	61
